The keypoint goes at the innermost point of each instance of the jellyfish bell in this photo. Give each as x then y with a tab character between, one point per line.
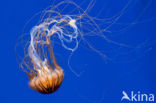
47	80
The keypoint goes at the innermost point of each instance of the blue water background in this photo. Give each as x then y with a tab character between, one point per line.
102	80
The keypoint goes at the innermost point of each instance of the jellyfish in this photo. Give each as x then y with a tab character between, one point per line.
39	62
45	73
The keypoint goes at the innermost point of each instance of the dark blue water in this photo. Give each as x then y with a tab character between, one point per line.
127	62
